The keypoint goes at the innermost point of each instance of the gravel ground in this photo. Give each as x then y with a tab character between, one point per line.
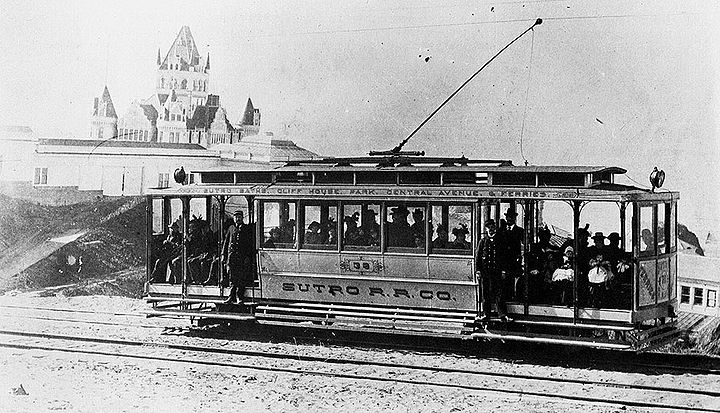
57	381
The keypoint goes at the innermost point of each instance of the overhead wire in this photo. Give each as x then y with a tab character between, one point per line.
527	92
436	25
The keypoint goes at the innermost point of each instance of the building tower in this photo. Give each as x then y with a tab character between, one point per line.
184	71
103	124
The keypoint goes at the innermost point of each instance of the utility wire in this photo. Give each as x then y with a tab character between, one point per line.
527	92
399	147
428	26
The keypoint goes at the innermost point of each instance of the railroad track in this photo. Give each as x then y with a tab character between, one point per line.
553	388
657	363
90	316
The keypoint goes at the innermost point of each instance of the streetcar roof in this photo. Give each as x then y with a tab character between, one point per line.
530	169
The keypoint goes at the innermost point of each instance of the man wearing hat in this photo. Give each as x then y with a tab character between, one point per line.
488	257
514	237
238	256
399	232
418	226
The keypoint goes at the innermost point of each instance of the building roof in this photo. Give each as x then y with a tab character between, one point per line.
249	114
150	112
264	148
203	117
183	50
105	107
116	144
12	132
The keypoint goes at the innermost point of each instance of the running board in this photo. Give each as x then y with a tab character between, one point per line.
198	314
542	339
366	318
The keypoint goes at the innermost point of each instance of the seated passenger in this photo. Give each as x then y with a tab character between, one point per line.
563	278
649	240
370	229
331	230
460	232
442	240
399	232
171	248
352	232
314	234
287	232
536	265
619	260
600	272
273	238
202	250
418	227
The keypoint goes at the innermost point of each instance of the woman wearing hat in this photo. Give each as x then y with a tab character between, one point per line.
460	233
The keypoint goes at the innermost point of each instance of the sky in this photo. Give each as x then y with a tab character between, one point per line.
624	83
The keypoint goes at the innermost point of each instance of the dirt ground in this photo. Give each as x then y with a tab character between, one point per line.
58	381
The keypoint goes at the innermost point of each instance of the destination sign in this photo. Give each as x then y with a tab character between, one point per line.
355	191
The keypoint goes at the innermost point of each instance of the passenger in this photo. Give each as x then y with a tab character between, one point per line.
536	266
399	232
370	228
600	274
583	258
649	240
460	234
418	227
563	278
238	255
551	263
314	236
287	232
171	248
488	259
514	237
441	241
273	238
352	232
619	260
202	250
331	228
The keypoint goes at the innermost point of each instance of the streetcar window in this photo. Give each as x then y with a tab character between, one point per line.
320	226
451	229
157	220
217	178
405	228
253	177
293	177
361	227
711	298
176	208
684	295
697	296
334	178
673	225
513	179
568	179
461	178
648	243
376	178
198	208
420	178
279	224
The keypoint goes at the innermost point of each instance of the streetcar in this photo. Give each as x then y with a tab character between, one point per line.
387	243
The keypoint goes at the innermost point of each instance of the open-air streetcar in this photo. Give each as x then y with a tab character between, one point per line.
333	249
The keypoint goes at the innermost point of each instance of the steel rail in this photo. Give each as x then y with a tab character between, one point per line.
355	362
574	398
